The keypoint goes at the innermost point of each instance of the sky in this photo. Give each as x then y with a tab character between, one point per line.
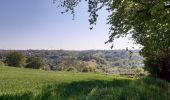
38	24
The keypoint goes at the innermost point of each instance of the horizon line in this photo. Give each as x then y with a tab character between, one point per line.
67	49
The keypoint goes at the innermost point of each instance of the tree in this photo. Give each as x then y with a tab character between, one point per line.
148	21
90	66
69	62
35	62
15	59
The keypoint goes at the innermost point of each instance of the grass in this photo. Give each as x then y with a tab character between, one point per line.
28	84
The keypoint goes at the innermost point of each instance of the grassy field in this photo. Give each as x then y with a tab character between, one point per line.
28	84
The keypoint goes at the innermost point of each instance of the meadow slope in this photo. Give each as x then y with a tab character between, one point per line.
29	84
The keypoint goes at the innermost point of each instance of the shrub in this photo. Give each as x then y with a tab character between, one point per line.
35	63
139	72
1	63
72	69
45	67
69	63
89	69
16	59
90	66
159	65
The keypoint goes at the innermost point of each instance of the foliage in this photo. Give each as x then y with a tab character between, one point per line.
71	69
89	69
68	63
148	21
28	84
45	67
16	59
102	59
1	63
36	62
139	72
90	66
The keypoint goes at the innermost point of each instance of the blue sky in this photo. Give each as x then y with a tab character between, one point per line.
38	24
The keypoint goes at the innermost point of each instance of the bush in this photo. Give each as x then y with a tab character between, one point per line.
90	66
69	63
89	69
72	69
36	63
45	67
139	72
16	59
1	63
159	66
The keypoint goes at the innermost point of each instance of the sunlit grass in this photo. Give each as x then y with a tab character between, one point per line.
26	84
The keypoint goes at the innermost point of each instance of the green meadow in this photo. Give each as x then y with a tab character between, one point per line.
30	84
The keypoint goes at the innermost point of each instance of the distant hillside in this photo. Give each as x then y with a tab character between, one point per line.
104	59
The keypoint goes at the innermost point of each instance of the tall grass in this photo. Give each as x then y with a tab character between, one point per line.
27	84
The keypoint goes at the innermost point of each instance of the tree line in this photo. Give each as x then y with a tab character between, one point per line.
18	59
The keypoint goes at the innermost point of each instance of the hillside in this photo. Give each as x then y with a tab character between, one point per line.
103	60
26	84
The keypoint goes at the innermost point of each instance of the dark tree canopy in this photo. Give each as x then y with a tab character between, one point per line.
15	59
148	21
35	62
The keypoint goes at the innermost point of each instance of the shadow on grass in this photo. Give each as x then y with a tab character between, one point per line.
143	89
83	90
25	96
